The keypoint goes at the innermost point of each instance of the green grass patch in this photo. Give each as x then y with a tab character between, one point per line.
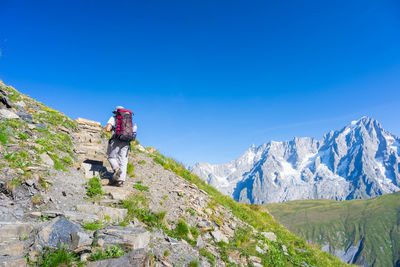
56	257
194	263
92	226
141	187
93	187
137	208
23	136
142	161
210	257
130	169
110	252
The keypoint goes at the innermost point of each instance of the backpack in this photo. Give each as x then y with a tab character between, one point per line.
124	127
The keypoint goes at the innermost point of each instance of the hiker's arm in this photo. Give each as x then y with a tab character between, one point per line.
109	127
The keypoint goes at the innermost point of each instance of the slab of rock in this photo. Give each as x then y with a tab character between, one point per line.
13	231
117	193
13	261
93	170
80	241
56	232
12	250
136	258
126	237
270	236
219	236
7	114
113	214
46	159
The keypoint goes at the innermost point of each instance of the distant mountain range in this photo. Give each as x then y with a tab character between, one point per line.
361	160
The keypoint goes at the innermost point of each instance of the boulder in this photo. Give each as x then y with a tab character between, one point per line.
126	237
117	193
7	114
80	241
136	258
46	159
56	232
219	236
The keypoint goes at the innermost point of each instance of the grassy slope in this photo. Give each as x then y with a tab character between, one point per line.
260	220
376	220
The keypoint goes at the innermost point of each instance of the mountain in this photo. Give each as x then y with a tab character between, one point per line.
363	231
361	160
58	209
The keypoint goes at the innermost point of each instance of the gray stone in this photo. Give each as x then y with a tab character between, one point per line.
25	116
93	170
270	236
80	241
199	242
219	236
7	114
19	261
12	249
46	159
13	231
56	232
126	237
136	258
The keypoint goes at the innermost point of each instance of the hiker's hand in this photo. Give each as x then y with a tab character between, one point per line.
109	128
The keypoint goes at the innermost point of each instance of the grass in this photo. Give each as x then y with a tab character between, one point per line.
260	220
130	169
23	136
345	223
110	252
142	161
141	187
92	226
137	208
36	199
93	187
208	255
194	263
56	257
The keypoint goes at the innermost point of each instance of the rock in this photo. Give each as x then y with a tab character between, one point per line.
12	231
219	236
80	241
20	104
36	214
46	159
285	251
19	261
136	258
40	126
199	242
7	114
29	182
88	122
255	259
172	241
259	250
85	257
12	250
25	116
56	232
117	193
80	217
104	213
126	237
269	235
4	100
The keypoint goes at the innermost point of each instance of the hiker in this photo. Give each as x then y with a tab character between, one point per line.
119	145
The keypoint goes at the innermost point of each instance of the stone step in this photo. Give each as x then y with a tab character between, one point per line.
71	215
19	261
108	202
118	193
104	213
12	249
14	231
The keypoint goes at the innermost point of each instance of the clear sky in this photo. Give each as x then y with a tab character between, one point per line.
206	79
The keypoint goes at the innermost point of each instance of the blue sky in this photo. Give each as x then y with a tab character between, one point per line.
206	79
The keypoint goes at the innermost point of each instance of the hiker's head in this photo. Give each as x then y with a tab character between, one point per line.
116	108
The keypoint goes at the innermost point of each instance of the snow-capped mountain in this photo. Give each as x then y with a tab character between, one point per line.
361	160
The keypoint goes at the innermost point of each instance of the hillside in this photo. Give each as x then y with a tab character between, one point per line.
57	208
365	232
361	160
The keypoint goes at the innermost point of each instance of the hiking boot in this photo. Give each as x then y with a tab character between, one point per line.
116	175
119	183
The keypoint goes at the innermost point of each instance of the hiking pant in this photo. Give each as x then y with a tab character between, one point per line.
117	152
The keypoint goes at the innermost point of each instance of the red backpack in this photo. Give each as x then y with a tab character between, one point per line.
124	128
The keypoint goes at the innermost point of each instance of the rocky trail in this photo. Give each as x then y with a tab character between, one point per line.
162	216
